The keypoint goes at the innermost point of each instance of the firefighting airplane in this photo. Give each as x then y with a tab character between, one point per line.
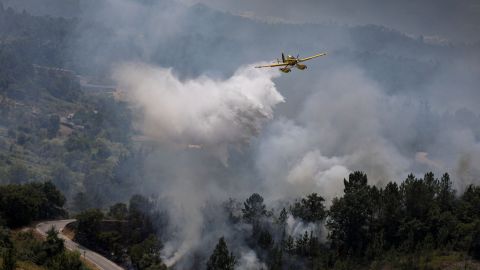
291	61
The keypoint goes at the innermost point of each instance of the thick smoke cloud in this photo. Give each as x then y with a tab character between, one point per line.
202	112
381	102
336	118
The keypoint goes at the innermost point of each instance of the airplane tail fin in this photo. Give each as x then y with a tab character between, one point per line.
283	58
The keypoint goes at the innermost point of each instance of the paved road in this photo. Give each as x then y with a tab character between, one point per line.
95	258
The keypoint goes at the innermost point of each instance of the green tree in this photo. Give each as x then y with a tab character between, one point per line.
289	245
446	194
66	260
53	245
265	239
118	211
275	258
391	214
469	202
254	208
52	207
309	209
282	219
146	255
221	258
139	204
88	226
475	244
349	216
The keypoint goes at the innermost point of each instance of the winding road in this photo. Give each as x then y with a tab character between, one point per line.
93	257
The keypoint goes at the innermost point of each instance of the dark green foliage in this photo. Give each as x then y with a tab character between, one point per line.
391	214
66	260
446	194
275	260
77	142
118	211
7	250
282	219
254	208
265	239
146	255
53	245
309	209
349	216
128	233
88	226
470	200
475	244
21	204
289	245
221	258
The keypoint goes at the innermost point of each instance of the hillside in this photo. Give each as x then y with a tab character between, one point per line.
160	136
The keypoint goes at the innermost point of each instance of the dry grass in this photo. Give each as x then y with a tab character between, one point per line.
90	265
69	233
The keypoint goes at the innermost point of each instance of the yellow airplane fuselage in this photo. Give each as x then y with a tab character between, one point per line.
289	62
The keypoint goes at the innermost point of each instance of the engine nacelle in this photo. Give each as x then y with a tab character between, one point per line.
285	70
301	66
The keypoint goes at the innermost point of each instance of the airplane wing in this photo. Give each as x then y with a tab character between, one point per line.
273	65
311	57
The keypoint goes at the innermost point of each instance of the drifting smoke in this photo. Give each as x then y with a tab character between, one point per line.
203	112
214	114
339	130
249	260
221	131
347	123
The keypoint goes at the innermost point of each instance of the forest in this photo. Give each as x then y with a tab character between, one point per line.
282	187
417	224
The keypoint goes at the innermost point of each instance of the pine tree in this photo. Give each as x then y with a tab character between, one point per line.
289	245
221	258
53	245
283	217
254	208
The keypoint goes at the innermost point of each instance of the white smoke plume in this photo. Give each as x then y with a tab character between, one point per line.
214	114
249	261
337	117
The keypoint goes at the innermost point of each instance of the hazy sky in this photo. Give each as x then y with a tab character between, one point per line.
457	20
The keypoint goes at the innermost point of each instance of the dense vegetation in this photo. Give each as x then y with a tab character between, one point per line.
126	234
19	206
26	251
55	134
404	226
22	204
420	223
50	129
